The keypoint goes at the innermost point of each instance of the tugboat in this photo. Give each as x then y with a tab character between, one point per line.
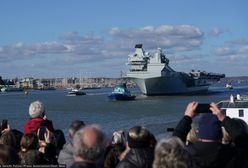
236	107
76	92
121	93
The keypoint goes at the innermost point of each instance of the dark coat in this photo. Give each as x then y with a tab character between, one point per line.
113	156
138	158
83	165
204	154
210	154
240	140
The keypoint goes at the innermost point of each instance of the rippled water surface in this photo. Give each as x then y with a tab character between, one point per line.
156	113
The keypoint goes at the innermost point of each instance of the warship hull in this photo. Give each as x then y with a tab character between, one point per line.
167	86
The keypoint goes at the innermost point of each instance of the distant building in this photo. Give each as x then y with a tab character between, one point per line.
27	83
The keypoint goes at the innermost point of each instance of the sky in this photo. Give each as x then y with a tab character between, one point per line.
92	38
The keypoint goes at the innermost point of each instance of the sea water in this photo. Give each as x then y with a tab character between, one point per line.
157	113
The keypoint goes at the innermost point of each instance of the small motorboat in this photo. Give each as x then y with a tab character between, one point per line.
76	92
229	86
121	93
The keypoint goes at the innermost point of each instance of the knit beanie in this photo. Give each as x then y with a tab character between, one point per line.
138	137
36	109
209	127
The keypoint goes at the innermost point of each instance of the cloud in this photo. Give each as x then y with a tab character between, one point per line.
236	48
112	48
240	41
243	50
215	32
175	38
225	51
20	51
90	46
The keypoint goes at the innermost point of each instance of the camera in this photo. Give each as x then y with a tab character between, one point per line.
203	108
4	124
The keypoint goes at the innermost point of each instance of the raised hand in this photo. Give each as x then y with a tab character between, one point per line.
190	110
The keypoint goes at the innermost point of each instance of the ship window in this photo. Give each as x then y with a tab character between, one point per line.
241	113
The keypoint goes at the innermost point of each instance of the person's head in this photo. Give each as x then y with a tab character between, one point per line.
138	137
60	138
32	157
36	109
89	143
118	138
29	142
171	153
209	128
8	156
242	125
18	134
8	138
75	126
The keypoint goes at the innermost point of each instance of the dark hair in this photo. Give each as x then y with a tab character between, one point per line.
138	137
8	155
29	142
33	157
75	126
8	138
60	138
18	134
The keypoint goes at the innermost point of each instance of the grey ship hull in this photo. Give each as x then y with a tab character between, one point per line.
167	85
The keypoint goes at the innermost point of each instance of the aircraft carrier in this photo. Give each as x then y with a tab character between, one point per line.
154	76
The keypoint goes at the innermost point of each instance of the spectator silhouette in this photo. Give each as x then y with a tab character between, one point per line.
141	152
118	145
38	118
66	154
208	151
88	144
171	153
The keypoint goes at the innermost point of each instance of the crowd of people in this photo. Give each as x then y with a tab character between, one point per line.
217	141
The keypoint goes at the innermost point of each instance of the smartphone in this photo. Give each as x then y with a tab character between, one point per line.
4	124
170	129
42	131
203	108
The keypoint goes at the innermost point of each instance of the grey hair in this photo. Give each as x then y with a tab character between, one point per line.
36	109
89	152
171	153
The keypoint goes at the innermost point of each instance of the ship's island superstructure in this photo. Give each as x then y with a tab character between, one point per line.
154	76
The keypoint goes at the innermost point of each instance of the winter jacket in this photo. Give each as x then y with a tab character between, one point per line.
34	124
83	165
240	140
204	154
138	158
66	155
113	156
